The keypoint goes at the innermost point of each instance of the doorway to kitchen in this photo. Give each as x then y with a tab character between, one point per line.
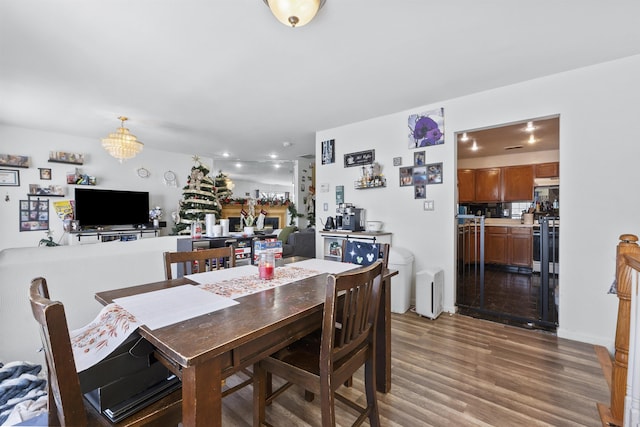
508	223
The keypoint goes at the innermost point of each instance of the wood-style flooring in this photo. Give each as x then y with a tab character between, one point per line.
462	371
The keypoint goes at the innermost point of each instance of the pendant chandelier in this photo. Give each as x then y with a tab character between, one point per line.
294	13
122	144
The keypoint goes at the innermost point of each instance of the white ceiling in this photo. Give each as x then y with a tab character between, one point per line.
205	77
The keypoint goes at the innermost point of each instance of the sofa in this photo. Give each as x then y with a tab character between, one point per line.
296	242
74	274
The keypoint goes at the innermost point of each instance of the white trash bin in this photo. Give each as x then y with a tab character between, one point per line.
402	260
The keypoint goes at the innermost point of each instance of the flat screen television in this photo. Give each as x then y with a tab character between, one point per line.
104	208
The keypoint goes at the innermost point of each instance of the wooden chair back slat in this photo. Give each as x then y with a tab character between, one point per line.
207	259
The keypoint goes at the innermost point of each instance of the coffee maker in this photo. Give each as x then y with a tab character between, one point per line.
349	217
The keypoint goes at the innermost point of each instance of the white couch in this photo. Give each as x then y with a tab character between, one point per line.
74	274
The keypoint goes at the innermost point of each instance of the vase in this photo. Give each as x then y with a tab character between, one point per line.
248	231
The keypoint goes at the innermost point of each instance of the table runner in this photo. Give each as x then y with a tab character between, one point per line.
241	281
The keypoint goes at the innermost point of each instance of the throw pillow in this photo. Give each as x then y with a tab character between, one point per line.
284	234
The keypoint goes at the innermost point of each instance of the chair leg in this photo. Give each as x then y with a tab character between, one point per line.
370	389
259	394
327	406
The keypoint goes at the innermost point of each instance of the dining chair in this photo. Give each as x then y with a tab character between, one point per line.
365	253
322	361
206	260
66	405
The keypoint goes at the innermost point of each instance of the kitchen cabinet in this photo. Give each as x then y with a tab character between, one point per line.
521	246
496	245
511	246
466	185
517	183
547	170
488	185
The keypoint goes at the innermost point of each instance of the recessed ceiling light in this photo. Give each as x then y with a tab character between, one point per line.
277	165
273	155
225	154
474	147
530	127
532	139
238	165
286	144
464	137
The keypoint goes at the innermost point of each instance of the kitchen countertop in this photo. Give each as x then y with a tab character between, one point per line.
505	222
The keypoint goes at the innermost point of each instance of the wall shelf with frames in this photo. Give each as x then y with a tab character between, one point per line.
377	183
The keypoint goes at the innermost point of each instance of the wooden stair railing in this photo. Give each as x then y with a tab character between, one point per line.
615	371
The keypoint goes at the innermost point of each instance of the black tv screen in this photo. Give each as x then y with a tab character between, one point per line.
103	208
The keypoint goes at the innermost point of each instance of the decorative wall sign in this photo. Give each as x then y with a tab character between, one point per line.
14	161
34	215
434	173
359	158
64	157
426	129
9	178
397	161
406	176
328	152
339	194
418	158
45	174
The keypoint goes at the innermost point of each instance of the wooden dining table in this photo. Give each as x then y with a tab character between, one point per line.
204	350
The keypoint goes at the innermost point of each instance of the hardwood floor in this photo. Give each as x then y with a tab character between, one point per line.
461	371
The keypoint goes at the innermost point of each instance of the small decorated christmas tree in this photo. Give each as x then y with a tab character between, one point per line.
199	197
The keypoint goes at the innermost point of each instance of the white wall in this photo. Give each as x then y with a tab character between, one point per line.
242	187
110	174
599	126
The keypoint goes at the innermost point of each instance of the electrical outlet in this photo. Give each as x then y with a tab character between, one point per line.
428	205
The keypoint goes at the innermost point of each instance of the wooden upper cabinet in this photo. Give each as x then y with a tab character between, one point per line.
488	185
548	170
517	183
466	185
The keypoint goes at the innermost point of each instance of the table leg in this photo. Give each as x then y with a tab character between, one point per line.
383	340
202	394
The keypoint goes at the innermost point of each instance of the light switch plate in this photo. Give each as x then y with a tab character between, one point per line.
325	206
324	188
429	205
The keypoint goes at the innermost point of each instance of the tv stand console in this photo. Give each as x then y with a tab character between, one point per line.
99	236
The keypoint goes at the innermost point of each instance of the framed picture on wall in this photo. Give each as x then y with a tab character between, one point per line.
418	158
419	175
9	178
420	191
45	173
434	173
34	215
328	152
406	176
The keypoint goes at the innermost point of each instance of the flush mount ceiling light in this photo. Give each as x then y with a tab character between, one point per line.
530	127
122	144
294	13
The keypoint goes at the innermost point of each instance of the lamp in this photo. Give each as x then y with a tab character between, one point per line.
294	13
122	144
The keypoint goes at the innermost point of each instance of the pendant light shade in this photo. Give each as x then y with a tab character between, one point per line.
294	13
122	144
